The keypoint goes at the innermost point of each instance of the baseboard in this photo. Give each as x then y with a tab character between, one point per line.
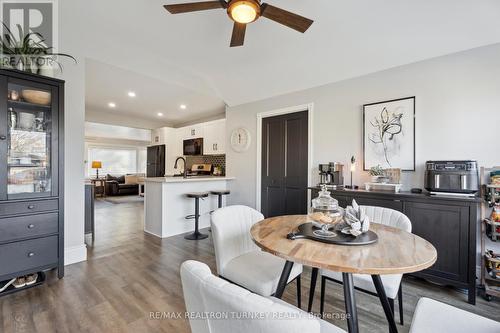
152	233
74	254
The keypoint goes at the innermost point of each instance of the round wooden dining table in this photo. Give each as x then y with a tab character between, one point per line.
395	252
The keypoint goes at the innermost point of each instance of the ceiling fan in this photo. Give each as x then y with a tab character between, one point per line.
243	12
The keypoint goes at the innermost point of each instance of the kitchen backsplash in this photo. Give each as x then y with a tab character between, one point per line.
215	160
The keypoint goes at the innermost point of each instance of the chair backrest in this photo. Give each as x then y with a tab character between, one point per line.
228	308
388	216
435	317
231	233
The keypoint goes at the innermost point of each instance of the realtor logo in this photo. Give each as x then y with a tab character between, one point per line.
37	17
29	36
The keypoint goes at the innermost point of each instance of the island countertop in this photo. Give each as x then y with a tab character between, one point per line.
172	179
166	204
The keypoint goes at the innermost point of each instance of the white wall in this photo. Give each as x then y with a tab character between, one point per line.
116	132
74	108
457	116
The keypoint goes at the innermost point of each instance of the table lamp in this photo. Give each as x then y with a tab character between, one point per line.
97	165
353	169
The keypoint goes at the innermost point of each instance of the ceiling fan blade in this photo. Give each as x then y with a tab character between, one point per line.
287	18
238	37
194	6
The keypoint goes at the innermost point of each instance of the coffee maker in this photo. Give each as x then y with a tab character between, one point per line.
331	175
324	174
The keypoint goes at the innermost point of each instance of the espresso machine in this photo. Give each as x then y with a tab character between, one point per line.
331	175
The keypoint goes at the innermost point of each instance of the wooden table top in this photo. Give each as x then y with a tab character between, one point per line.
396	251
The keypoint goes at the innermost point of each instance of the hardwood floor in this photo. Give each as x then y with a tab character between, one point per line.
129	274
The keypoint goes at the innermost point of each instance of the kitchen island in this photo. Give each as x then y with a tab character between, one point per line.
166	204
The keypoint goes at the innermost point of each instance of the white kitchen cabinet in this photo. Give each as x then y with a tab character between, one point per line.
214	137
191	132
157	137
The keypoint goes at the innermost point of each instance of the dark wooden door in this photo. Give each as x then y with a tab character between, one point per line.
284	164
446	227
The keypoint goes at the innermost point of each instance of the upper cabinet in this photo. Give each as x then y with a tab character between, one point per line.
212	132
214	137
191	132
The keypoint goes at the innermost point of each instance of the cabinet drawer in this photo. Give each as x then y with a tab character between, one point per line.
14	228
23	207
25	255
386	203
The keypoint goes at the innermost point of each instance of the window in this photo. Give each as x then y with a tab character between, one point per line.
117	160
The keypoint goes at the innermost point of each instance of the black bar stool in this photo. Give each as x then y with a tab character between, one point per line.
196	234
220	193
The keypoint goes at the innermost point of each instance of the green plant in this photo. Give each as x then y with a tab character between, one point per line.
376	171
29	52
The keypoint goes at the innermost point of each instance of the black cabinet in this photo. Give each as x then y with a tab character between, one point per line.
31	174
446	227
449	223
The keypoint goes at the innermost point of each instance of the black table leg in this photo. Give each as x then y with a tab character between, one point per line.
350	303
377	281
283	279
314	277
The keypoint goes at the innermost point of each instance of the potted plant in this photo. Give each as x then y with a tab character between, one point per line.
28	52
378	174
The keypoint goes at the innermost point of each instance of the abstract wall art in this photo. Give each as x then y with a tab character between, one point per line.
389	134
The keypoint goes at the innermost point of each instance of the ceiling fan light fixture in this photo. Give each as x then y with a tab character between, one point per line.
244	11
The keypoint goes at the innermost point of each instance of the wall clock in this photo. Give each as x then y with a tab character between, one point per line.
240	139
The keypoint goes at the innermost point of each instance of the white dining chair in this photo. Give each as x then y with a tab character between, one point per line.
218	306
392	282
239	260
435	317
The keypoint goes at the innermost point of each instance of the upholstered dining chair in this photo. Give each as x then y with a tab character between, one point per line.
239	260
230	308
218	306
392	282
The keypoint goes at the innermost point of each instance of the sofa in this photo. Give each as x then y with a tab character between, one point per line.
122	185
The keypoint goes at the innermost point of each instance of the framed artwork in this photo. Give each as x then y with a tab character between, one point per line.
389	134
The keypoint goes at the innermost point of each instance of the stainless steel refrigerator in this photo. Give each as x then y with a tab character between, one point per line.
156	161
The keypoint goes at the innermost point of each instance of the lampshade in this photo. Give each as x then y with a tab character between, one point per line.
96	164
244	11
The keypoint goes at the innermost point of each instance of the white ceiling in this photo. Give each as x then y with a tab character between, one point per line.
105	83
347	39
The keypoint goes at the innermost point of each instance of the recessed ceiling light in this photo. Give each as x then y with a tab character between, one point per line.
112	105
160	114
183	106
131	94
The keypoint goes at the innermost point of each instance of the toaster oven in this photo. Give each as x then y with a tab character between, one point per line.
454	177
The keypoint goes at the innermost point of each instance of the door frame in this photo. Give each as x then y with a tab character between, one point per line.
277	112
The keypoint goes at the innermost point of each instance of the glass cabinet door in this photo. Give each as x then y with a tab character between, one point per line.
30	129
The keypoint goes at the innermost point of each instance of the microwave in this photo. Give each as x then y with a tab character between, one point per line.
193	147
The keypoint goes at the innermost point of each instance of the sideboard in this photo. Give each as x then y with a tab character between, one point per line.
450	223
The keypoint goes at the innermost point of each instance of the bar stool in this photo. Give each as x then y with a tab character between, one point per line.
196	234
220	193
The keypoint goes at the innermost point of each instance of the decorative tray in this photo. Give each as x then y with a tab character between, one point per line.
306	231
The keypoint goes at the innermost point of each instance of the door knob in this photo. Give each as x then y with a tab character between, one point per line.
31	254
31	206
3	137
31	226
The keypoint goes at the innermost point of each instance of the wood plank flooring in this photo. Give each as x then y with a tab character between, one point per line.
130	274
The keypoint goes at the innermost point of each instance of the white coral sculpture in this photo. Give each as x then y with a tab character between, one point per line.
356	221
